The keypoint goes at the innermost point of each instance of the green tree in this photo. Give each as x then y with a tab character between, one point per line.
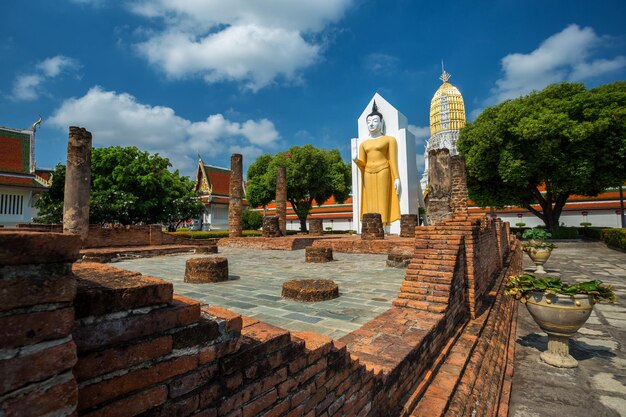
312	175
565	139
252	220
128	186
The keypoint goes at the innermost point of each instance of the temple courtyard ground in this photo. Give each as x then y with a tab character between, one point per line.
367	287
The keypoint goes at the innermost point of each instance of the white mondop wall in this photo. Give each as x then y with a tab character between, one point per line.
396	125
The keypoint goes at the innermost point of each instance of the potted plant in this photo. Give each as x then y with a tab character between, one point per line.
537	249
559	309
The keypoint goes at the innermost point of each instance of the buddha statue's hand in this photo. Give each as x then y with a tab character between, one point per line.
397	186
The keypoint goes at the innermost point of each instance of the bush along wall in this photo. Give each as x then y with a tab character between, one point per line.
615	238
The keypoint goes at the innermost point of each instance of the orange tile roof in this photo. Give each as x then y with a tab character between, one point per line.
20	182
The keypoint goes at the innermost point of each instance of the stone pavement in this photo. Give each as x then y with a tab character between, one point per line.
366	286
598	386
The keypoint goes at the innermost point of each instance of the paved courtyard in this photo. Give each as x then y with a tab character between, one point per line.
597	387
366	286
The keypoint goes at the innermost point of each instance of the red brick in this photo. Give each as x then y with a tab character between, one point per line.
278	410
41	402
22	291
286	387
110	360
193	380
29	328
91	395
234	322
211	412
39	248
103	289
180	313
133	405
37	366
178	408
260	404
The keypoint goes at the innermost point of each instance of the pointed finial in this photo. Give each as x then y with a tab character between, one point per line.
37	123
445	76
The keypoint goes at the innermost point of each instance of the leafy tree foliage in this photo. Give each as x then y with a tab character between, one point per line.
128	186
313	175
566	139
252	220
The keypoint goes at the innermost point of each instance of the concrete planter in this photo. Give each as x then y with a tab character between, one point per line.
539	256
560	316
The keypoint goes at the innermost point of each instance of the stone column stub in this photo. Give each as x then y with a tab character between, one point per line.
77	182
458	193
281	199
235	192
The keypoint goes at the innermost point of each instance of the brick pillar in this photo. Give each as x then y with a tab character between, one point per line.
235	203
77	182
281	199
37	290
408	223
372	227
458	194
439	186
316	227
271	226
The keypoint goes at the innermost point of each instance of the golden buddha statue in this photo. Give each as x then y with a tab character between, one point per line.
378	162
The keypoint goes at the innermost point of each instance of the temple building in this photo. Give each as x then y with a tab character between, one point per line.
447	117
212	184
20	181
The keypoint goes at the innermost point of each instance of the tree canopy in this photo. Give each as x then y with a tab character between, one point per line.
128	186
545	147
313	175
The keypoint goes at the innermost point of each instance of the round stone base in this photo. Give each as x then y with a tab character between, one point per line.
320	255
206	249
206	270
310	289
558	352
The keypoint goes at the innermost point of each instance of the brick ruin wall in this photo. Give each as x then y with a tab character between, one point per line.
99	341
124	236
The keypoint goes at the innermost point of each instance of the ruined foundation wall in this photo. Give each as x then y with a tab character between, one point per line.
143	349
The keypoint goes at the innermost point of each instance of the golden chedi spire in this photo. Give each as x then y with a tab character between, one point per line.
447	110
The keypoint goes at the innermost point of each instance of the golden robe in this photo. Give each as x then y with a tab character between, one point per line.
378	163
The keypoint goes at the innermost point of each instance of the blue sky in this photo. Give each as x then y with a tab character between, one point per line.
257	76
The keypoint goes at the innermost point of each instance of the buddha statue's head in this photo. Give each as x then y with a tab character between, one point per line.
375	122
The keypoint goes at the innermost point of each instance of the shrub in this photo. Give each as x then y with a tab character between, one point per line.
615	238
591	232
252	220
585	224
536	233
565	233
520	225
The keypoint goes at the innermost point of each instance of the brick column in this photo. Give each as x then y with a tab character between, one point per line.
372	227
458	194
37	289
235	203
271	227
77	182
316	227
408	223
281	199
439	186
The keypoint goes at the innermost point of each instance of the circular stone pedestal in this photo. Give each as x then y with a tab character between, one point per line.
206	270
206	249
310	289
315	254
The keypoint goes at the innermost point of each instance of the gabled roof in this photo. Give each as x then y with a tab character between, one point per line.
21	182
213	180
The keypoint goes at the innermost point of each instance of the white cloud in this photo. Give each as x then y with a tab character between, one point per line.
252	42
119	119
565	56
27	87
51	67
379	63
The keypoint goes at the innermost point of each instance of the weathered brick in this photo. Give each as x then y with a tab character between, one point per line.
183	311
103	289
41	288
218	350
181	407
197	334
30	328
133	405
112	359
108	389
36	367
40	248
210	395
260	404
41	402
193	380
234	322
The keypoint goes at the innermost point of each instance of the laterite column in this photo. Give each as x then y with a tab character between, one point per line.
281	199
235	202
77	182
439	186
